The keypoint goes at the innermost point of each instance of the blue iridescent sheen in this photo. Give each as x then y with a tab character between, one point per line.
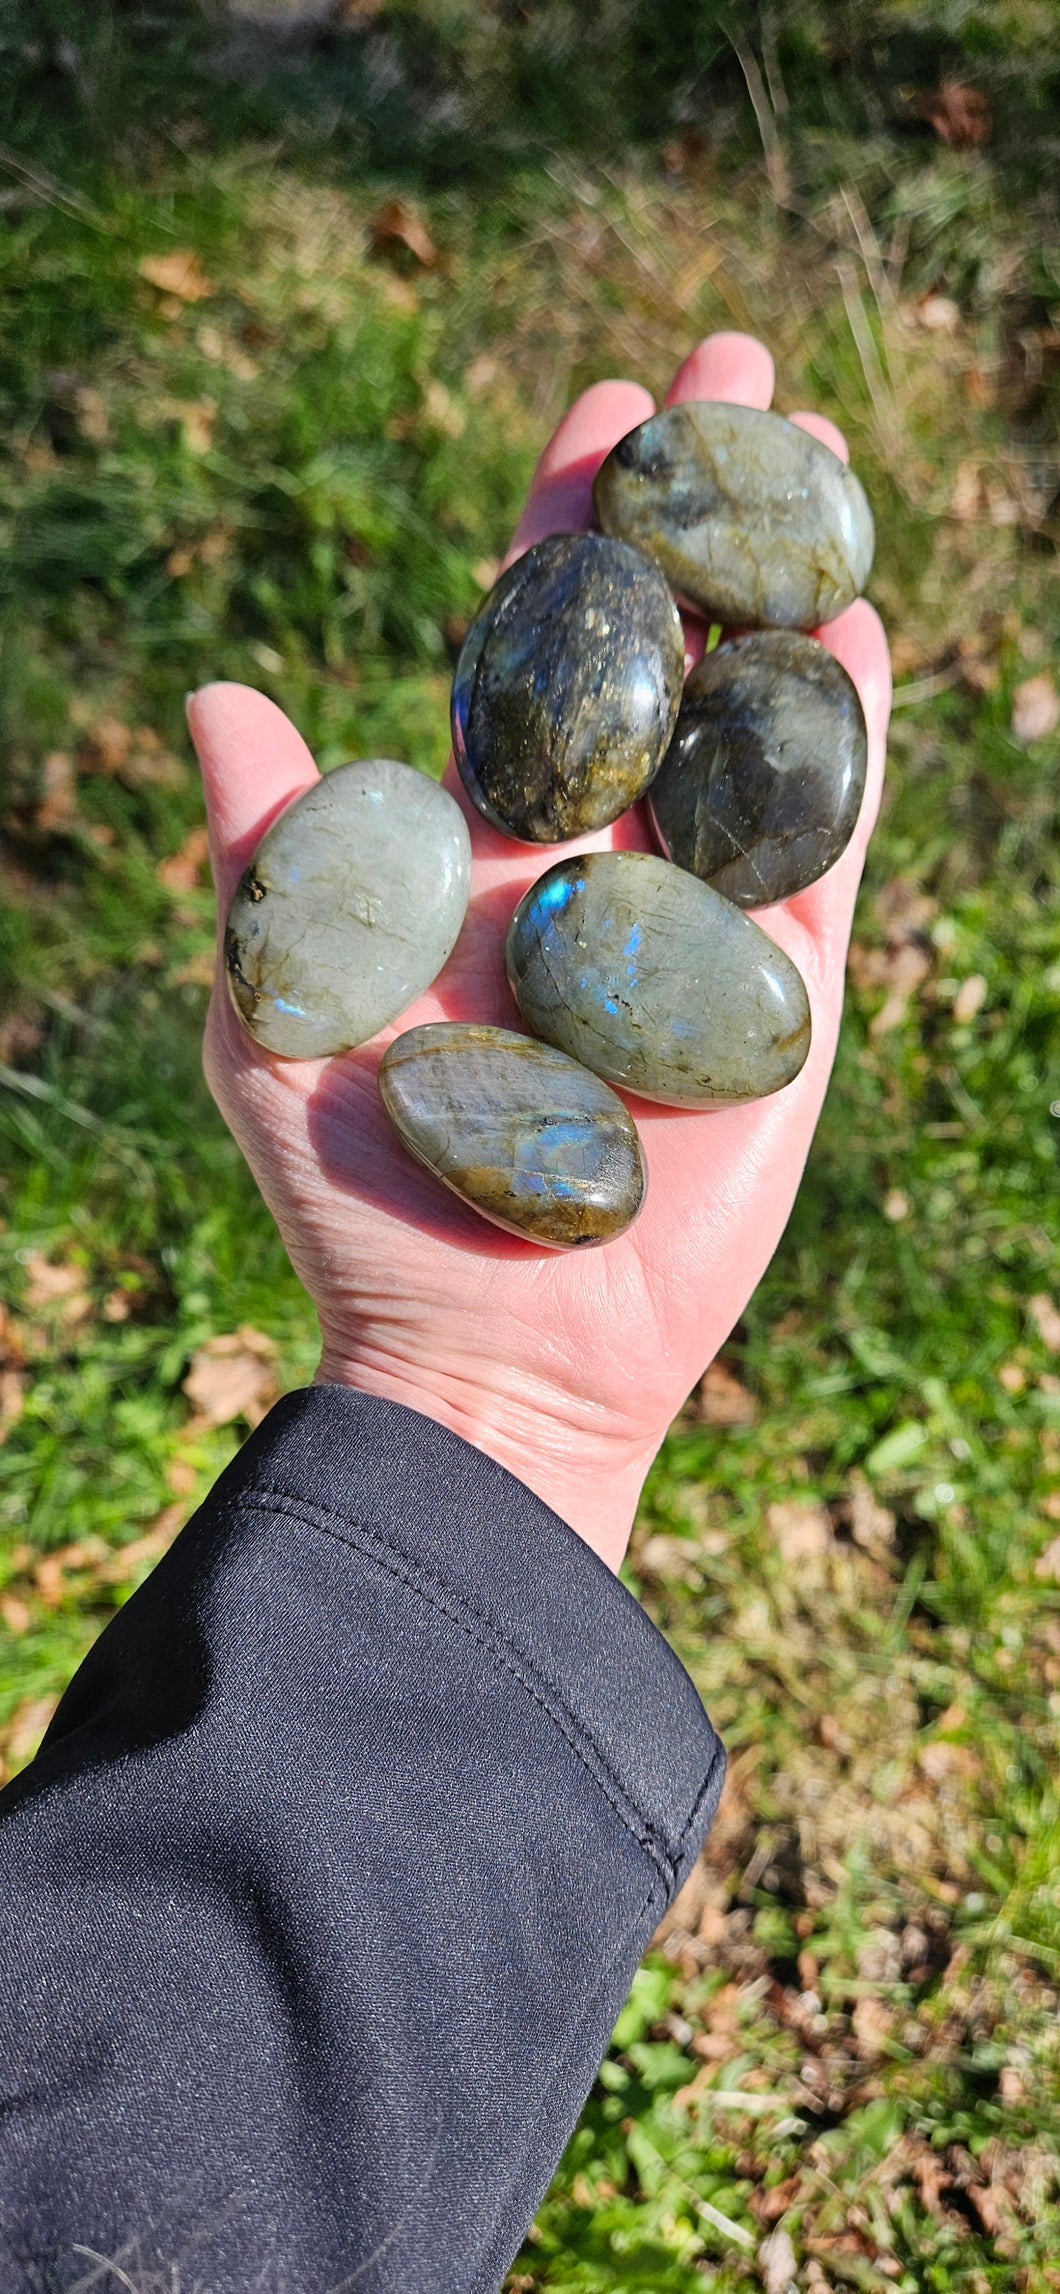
524	1135
651	979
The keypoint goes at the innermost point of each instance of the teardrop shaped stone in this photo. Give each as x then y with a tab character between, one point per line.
761	786
567	688
751	519
653	980
524	1135
348	910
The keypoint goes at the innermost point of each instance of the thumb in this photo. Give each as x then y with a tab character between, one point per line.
253	763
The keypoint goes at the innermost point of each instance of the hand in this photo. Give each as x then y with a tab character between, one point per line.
568	1368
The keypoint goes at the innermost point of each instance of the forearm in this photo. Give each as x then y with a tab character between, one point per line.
329	1881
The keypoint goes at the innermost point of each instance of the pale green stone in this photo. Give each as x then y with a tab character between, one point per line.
348	910
752	520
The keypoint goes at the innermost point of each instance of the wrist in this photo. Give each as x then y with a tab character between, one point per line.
592	1480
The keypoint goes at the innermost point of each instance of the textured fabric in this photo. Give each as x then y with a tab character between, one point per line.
320	1899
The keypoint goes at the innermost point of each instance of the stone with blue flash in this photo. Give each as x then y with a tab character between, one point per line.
655	982
522	1134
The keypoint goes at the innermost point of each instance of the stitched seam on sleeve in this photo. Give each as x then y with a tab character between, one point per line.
483	1629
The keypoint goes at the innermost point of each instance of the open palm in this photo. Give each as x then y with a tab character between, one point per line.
567	1367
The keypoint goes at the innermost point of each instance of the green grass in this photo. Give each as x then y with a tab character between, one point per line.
301	478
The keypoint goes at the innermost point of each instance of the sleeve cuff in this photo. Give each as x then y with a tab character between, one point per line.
444	1516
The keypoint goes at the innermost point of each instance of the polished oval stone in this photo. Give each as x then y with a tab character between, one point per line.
567	688
761	787
751	519
653	980
348	910
525	1136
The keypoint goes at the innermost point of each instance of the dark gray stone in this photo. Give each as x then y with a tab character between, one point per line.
348	910
520	1133
761	787
567	688
655	982
752	520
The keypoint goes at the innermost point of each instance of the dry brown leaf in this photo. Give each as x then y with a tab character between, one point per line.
968	498
93	420
1047	1565
685	154
110	741
872	2024
970	998
671	1559
1035	709
233	1377
929	2173
222	352
21	1033
49	1576
939	1760
123	1564
1045	1316
937	314
197	419
960	115
58	802
179	274
979	674
183	871
12	1398
58	1288
181	1477
15	1613
994	2212
904	963
801	1528
768	2205
399	227
211	549
482	371
12	1342
442	410
720	1400
198	972
135	755
27	1728
872	1526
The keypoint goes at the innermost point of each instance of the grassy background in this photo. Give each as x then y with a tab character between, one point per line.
282	328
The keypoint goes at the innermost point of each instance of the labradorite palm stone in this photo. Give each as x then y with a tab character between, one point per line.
762	784
567	688
751	519
348	910
520	1133
654	981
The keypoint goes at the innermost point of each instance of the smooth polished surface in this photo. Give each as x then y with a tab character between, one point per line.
522	1134
567	688
348	910
751	519
760	789
654	981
